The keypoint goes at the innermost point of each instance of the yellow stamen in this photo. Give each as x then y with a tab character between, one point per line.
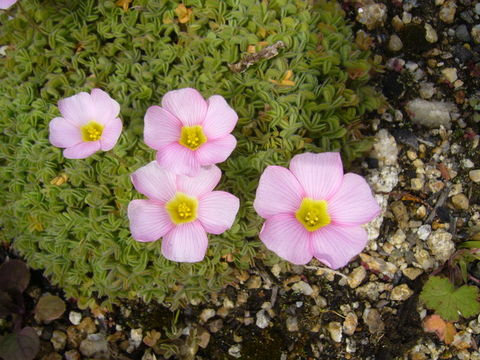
313	214
92	131
192	137
182	208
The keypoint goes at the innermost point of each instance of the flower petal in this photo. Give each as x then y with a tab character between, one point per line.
188	105
110	134
82	150
186	243
287	238
220	118
178	159
106	109
336	245
5	4
217	211
319	174
278	192
161	128
155	182
78	108
204	182
64	133
216	150
149	220
353	203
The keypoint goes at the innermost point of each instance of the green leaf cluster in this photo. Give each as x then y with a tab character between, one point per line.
439	294
68	217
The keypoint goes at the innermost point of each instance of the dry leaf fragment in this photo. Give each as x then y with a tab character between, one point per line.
286	79
151	338
444	330
125	4
183	13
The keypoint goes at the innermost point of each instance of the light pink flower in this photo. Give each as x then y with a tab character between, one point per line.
181	209
189	132
5	4
90	123
313	209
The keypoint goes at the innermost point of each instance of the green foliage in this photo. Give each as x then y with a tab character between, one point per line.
440	295
69	216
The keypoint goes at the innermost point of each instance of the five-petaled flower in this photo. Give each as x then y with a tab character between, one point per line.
90	123
181	209
5	4
189	132
313	209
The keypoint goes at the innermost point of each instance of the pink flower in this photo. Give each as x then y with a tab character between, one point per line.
313	209
5	4
90	123
189	132
181	209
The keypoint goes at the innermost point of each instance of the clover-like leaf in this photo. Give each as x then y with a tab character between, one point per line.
49	308
21	346
14	274
440	295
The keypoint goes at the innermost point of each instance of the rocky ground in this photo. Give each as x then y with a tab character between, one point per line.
425	172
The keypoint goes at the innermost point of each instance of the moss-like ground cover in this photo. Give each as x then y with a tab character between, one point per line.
69	216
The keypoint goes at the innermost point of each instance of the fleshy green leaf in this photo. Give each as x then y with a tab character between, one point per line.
440	295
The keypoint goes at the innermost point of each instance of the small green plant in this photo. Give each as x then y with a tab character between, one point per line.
21	343
69	217
440	294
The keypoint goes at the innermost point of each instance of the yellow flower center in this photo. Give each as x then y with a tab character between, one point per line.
313	214
182	208
92	131
192	137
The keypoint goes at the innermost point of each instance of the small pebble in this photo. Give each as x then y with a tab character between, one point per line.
335	330
395	44
462	34
254	282
450	74
136	337
215	326
374	321
356	277
372	15
401	293
292	324
441	245
203	337
72	355
460	202
430	34
474	175
476	34
424	231
302	287
350	323
95	346
447	12
412	273
416	184
206	314
262	320
74	317
58	340
235	351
